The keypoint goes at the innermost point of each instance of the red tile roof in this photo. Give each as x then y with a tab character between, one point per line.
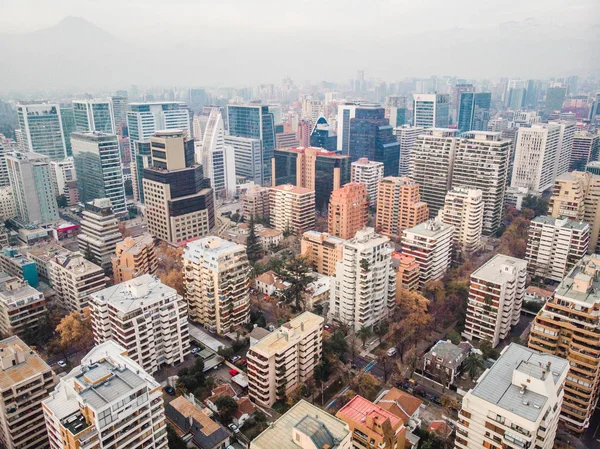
440	428
400	404
359	408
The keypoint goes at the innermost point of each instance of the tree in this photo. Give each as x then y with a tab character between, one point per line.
385	362
365	385
42	334
514	239
454	337
124	230
473	365
253	247
297	273
537	204
226	406
322	371
75	331
487	351
174	440
364	333
381	329
336	345
62	201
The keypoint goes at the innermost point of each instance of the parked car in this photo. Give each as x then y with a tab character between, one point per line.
392	352
241	362
170	391
235	358
233	428
328	328
196	352
61	363
233	372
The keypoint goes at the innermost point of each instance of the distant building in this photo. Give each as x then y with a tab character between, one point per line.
407	136
323	135
474	111
586	149
134	257
368	173
94	115
41	130
285	136
431	110
64	179
348	210
555	97
248	154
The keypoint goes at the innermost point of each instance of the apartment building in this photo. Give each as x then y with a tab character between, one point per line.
586	149
16	264
43	255
322	250
348	210
363	288
399	206
407	136
464	210
567	326
8	206
216	284
515	403
25	381
368	173
430	243
407	273
495	298
22	307
146	317
108	401
134	257
555	245
255	202
292	209
284	359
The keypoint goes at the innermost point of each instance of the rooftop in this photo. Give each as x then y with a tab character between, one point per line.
567	289
208	247
289	333
561	222
452	355
27	363
499	269
430	228
134	245
322	236
76	262
401	404
367	162
290	188
359	409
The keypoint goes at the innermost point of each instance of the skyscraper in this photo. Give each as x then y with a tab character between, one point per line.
68	124
586	147
474	111
217	158
119	107
555	97
248	158
431	110
346	112
94	115
463	209
323	136
42	130
407	136
348	209
368	173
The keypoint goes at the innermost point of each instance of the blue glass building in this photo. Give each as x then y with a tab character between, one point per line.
474	111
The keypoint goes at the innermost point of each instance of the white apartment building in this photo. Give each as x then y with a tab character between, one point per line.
8	206
363	287
94	115
431	110
248	155
565	146
4	148
515	403
368	173
495	299
108	401
463	209
283	360
346	112
555	245
430	243
216	283
292	208
146	317
22	307
432	165
407	136
63	172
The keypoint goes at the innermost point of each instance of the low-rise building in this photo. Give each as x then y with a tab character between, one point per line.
134	257
322	250
22	307
269	283
16	264
443	362
405	406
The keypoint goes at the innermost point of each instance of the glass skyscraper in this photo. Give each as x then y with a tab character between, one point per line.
474	111
94	115
42	130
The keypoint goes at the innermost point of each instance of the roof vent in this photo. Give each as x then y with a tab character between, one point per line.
525	402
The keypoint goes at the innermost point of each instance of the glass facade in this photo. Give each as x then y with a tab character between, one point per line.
42	130
68	123
474	111
324	169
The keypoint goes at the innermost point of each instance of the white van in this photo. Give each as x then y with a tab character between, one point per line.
392	352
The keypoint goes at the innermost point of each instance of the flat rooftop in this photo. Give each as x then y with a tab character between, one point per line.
560	221
28	363
430	228
565	288
292	189
499	269
289	333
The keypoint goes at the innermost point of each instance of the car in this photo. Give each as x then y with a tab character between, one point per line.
328	328
241	362
235	358
392	352
61	363
233	372
196	351
170	390
234	428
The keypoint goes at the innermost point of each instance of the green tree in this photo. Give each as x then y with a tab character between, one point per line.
363	334
174	440
487	351
322	371
336	345
253	247
473	365
62	201
381	329
297	273
537	204
226	406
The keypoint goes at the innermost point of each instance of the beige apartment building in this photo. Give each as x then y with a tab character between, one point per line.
292	209
407	273
368	173
348	210
399	206
283	360
463	209
322	250
22	307
134	257
8	206
255	203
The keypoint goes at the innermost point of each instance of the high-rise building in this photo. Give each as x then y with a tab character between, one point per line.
216	284
431	110
555	245
146	317
407	273
255	203
30	176
474	111
567	327
107	401
119	107
515	403
197	99
292	208
516	98
98	167
481	162
303	133
4	181
555	97
63	175
8	206
248	158
346	112
323	135
254	121
179	200
312	108
430	243
94	115
285	136
495	299
26	381
99	233
134	257
432	165
313	168
368	173
22	307
463	209
407	136
68	124
322	250
42	130
348	210
586	149
565	146
280	362
217	159
363	288
399	206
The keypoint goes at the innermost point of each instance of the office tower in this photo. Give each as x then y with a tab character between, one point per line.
98	167
322	250
458	90
31	179
555	97
292	209
107	401
495	299
312	108
407	273
4	181
372	424
430	243
63	173
41	130
565	146
299	343
99	233
348	210
536	152
197	99
555	245
346	112
218	159
198	124
368	173
141	158
566	324
407	136
431	110
474	111
594	108
22	307
8	206
285	136
371	136
323	135
463	209
363	288
145	316
67	116
94	115
515	403
179	200
248	158
399	206
119	110
255	203
313	168
586	148
397	110
481	162
303	132
26	381
532	94
216	284
432	165
134	257
254	121
516	98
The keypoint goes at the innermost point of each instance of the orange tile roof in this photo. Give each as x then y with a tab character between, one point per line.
359	408
440	428
408	402
187	409
222	390
245	407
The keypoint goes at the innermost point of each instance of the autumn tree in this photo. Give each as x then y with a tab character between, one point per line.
365	385
75	330
381	329
513	241
170	267
386	363
124	230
